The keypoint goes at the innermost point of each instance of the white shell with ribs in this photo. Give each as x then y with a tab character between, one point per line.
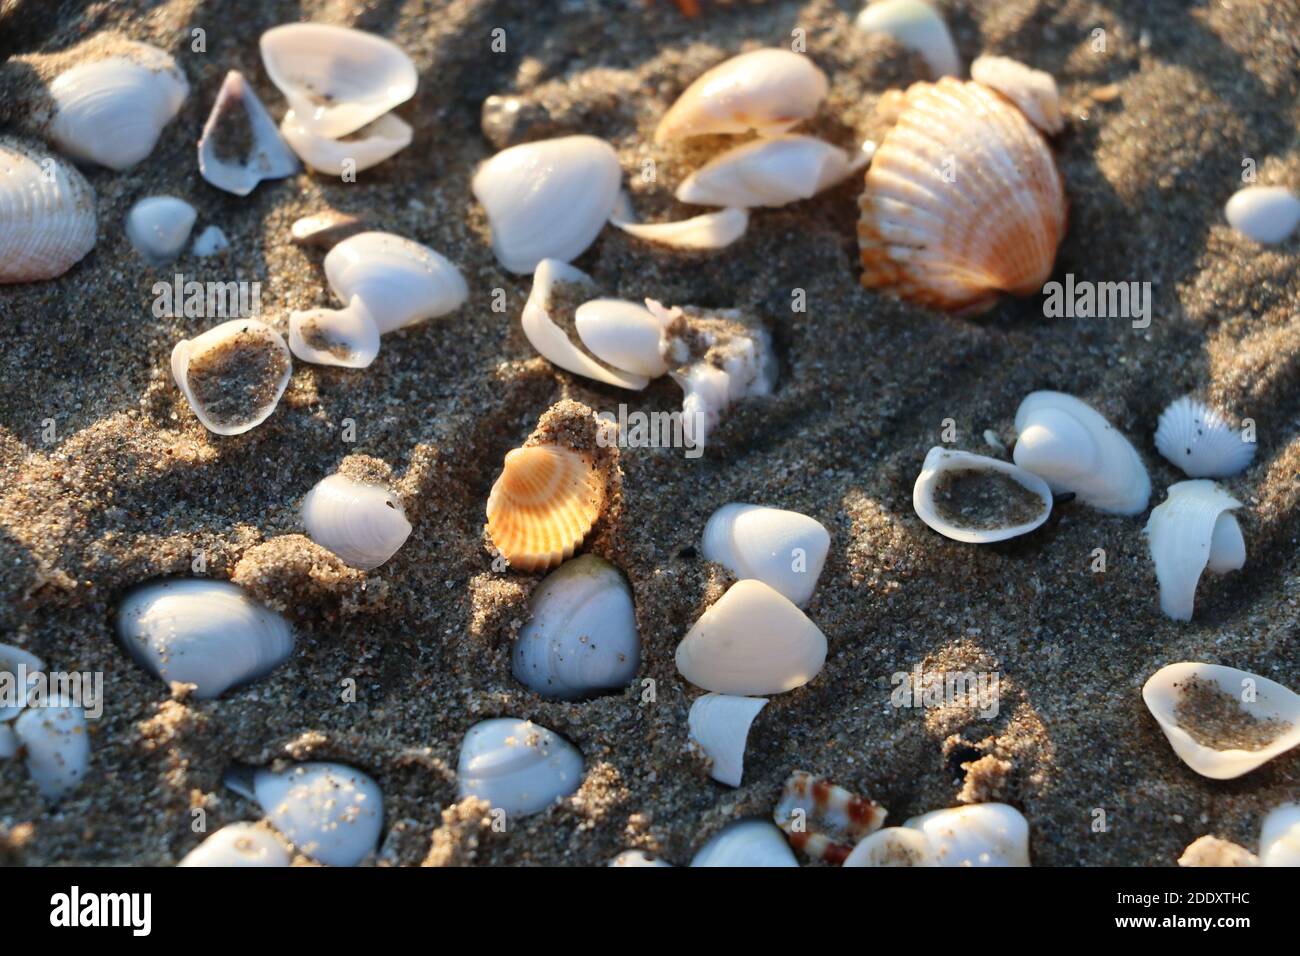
47	214
1199	440
1190	532
361	522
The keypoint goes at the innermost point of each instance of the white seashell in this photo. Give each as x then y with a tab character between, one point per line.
363	524
917	26
240	146
720	723
548	199
751	642
1267	214
47	214
368	146
1211	851
233	374
159	227
768	172
18	669
1074	448
746	843
346	337
325	229
210	242
624	334
1191	531
112	111
893	846
1004	502
981	834
517	766
336	79
768	91
1279	837
582	637
783	549
8	742
57	744
637	858
331	812
1212	713
1032	90
713	230
202	632
400	282
1200	441
239	844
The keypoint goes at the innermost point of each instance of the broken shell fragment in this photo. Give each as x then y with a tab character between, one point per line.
240	146
17	668
637	858
233	374
713	230
347	337
57	744
893	846
1266	214
1033	91
47	214
159	227
746	843
768	172
624	334
976	499
1211	851
210	242
239	845
517	766
1199	440
719	724
823	820
981	834
917	26
326	229
362	523
542	506
783	549
1191	531
1279	836
369	146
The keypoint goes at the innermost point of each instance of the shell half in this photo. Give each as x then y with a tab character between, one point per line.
1033	91
917	26
893	846
233	374
368	146
1189	532
768	172
1266	214
1199	440
981	834
331	812
543	505
47	214
240	146
18	666
785	550
362	523
748	843
976	499
239	845
719	724
401	282
57	743
159	227
517	766
1279	836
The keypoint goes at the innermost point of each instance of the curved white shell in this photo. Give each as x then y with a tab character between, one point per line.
720	723
1279	837
336	79
767	172
363	524
400	282
917	26
637	858
1212	851
329	811
346	337
582	637
767	90
940	461
235	334
57	744
517	766
368	146
16	664
112	111
624	334
238	845
1032	90
1257	696
1267	214
1200	441
981	834
712	230
1074	448
1192	530
47	214
746	843
210	242
751	642
784	549
159	227
239	121
893	846
548	199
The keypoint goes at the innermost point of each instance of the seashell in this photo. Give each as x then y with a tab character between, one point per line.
57	744
1191	531
399	281
980	834
746	843
1222	722
233	374
517	766
1266	214
1211	851
1032	90
159	227
346	337
8	742
1279	837
239	844
917	26
362	523
368	146
637	858
240	146
336	79
1199	440
623	334
1073	448
719	724
17	667
210	242
714	230
751	642
47	214
963	201
207	633
111	111
325	229
823	820
768	172
893	846
548	199
976	499
542	506
767	91
783	549
582	638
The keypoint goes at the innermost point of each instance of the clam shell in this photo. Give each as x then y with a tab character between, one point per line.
1277	706
240	146
917	26
159	227
362	523
542	506
1267	214
347	337
517	766
210	242
13	661
713	230
746	843
239	845
331	812
981	834
624	334
47	221
368	146
1211	851
823	820
719	724
1033	91
893	846
1191	531
232	375
783	549
1199	440
1279	837
637	858
57	744
766	172
207	633
996	522
400	282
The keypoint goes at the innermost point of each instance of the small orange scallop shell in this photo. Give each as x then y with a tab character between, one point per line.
963	200
543	505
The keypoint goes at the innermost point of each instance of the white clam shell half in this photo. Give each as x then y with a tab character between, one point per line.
210	242
893	846
785	550
248	400
1199	440
1191	531
623	334
768	172
981	834
1279	836
47	214
331	812
239	845
368	146
363	523
1032	90
159	227
917	26
240	146
996	524
57	744
347	337
712	230
18	671
517	766
1266	214
401	282
749	843
719	724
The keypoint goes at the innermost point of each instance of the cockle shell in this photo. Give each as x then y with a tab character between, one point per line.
368	146
783	549
362	523
582	637
917	26
768	172
1279	836
1189	532
751	642
548	199
57	744
1032	90
239	845
981	834
623	334
823	820
202	632
637	858
1199	440
47	214
746	843
159	227
1267	214
767	91
1222	722
1074	448
240	146
719	724
1006	501
713	230
517	766
963	201
893	846
17	666
233	374
1211	851
543	505
336	79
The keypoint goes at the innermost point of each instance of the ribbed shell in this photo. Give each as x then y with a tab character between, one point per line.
543	505
47	224
994	228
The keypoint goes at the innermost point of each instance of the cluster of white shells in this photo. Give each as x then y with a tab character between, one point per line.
48	731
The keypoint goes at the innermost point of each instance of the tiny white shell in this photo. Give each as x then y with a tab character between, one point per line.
400	282
1032	90
210	242
8	742
637	858
624	334
719	724
363	524
981	834
893	846
201	367
1189	532
17	666
329	811
768	172
1212	851
1267	214
159	227
784	549
917	26
1199	440
57	744
346	337
1013	518
713	230
1279	837
238	845
47	214
240	146
368	146
746	843
517	766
